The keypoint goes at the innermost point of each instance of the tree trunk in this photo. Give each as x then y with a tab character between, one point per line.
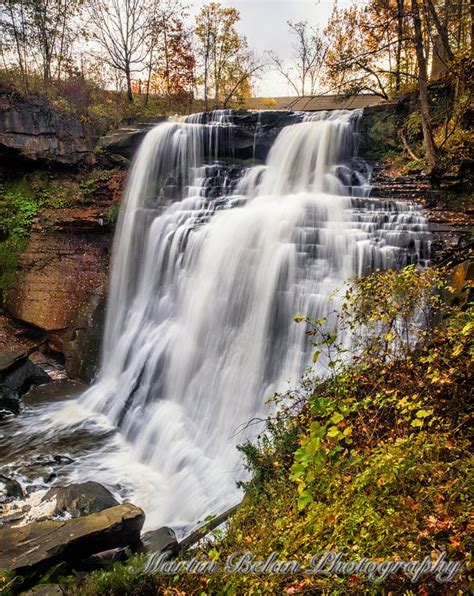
148	81
167	66
398	65
129	84
430	149
206	73
472	26
441	28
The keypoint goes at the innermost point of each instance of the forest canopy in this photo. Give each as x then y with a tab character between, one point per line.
155	57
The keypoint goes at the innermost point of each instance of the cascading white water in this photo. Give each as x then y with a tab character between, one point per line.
209	270
200	324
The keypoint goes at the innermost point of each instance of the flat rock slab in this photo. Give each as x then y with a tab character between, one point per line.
8	358
57	391
80	499
34	548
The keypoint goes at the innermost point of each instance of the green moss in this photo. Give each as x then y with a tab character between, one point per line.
112	213
18	208
382	137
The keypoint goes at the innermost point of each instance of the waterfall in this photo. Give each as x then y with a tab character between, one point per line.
208	272
213	256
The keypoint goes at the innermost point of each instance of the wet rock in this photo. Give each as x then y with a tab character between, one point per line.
9	403
50	478
56	391
10	489
22	375
82	343
80	499
32	549
159	541
123	142
103	560
12	518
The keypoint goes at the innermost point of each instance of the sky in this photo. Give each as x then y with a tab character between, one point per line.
264	22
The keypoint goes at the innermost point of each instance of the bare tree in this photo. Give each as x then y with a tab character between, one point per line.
51	22
14	36
122	30
162	14
308	59
39	28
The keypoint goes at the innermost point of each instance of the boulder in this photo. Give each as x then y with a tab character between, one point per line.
48	590
80	499
32	549
104	560
10	489
22	375
159	541
123	142
9	402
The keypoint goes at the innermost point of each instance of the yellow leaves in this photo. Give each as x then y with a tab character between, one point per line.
424	413
337	417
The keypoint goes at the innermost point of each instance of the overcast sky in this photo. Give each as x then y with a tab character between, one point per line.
264	22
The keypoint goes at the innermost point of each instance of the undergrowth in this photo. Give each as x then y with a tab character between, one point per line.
373	461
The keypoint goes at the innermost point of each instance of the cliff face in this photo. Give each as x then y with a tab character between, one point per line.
32	129
64	263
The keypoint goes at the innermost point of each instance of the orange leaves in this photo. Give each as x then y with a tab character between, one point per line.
411	503
297	587
438	525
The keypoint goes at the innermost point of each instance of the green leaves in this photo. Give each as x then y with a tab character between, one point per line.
304	499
